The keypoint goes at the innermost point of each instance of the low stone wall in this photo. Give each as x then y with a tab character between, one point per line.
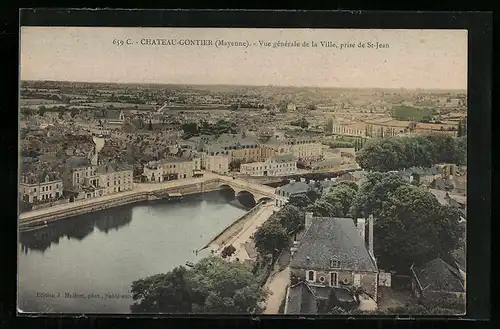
49	204
82	209
233	227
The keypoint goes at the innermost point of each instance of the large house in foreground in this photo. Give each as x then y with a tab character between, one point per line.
332	254
438	280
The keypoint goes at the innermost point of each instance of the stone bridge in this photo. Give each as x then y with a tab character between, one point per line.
213	182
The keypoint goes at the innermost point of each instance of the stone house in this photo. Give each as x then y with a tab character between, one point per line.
354	176
437	280
44	187
283	193
332	253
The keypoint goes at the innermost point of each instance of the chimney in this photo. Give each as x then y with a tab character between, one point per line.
308	220
370	236
302	179
453	170
360	224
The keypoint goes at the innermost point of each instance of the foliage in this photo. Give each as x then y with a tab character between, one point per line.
300	201
314	193
211	286
410	113
397	152
41	110
291	218
303	123
235	165
321	208
340	144
410	225
271	238
228	251
340	197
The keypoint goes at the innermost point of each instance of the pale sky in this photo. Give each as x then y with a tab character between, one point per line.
429	59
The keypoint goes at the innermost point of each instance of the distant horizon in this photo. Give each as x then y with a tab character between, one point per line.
235	85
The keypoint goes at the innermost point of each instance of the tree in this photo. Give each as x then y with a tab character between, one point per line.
150	125
235	165
374	190
74	112
291	218
340	199
228	251
382	154
271	238
41	110
162	293
412	227
321	208
300	201
211	286
460	154
313	193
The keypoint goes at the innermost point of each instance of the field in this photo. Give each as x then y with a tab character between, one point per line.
120	105
412	113
35	101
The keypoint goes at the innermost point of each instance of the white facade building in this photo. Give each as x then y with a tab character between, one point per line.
170	169
114	178
46	187
217	163
279	165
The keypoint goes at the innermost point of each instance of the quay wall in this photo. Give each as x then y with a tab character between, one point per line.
234	228
35	218
153	191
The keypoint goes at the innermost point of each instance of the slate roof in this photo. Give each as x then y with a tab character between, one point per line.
331	237
113	114
301	300
284	158
441	196
439	184
77	162
294	188
437	275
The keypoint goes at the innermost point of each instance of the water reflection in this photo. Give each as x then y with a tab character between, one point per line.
75	228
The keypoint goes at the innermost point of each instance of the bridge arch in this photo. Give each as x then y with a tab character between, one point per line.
246	199
264	199
227	192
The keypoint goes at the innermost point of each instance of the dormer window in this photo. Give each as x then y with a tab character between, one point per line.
334	263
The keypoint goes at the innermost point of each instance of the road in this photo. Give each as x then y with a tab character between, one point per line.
141	188
138	188
277	285
250	225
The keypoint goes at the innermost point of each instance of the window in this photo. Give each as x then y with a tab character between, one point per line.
334	263
334	279
311	276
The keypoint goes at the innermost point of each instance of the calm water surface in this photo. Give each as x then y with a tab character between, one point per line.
97	256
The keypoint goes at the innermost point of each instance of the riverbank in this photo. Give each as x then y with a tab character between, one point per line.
141	192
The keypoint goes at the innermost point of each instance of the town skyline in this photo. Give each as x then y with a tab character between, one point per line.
413	59
246	85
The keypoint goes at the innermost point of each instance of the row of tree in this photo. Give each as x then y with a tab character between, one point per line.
213	285
204	128
402	152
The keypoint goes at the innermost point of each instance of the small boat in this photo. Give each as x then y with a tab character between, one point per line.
189	264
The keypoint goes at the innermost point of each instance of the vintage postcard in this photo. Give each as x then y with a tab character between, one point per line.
262	171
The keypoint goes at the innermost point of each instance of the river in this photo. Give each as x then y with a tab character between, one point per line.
86	264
